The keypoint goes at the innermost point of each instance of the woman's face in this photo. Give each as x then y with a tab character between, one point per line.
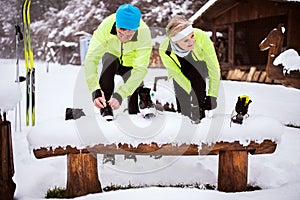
187	43
124	35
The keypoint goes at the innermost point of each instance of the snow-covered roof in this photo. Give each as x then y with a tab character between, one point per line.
202	10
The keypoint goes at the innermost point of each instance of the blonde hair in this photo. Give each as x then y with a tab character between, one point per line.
177	24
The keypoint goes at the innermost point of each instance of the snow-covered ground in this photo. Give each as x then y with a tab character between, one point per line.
278	174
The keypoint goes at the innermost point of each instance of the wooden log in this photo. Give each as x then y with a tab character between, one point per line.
262	77
256	76
244	76
229	75
251	73
82	175
7	186
267	146
235	74
233	171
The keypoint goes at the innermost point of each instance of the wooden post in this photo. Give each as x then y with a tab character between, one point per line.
7	186
82	175
233	171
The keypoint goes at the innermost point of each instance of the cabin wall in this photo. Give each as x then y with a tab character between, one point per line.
250	10
249	22
293	31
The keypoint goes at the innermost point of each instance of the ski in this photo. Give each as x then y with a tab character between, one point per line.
32	69
29	65
27	70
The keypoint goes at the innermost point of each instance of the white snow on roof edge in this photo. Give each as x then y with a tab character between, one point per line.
202	10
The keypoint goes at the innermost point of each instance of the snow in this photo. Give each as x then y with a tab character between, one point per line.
202	10
166	128
290	60
272	107
9	102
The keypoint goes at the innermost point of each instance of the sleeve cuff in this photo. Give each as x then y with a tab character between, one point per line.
118	97
96	94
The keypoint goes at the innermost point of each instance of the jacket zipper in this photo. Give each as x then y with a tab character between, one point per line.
121	61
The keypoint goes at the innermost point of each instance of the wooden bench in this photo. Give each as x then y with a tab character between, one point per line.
82	171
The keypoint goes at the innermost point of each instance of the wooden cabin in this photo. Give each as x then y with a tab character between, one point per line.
239	26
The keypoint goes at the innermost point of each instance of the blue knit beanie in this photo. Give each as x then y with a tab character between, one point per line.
128	17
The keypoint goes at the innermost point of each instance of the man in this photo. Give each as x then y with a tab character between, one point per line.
123	43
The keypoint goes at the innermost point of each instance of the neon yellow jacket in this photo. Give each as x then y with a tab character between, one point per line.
203	50
136	54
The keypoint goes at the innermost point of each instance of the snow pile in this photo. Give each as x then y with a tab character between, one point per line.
10	93
290	60
166	128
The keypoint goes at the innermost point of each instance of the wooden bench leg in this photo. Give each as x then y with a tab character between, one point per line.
7	186
233	171
82	177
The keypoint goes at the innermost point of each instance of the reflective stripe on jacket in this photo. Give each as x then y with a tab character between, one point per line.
203	50
134	53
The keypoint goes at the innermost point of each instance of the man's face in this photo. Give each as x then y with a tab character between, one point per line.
125	35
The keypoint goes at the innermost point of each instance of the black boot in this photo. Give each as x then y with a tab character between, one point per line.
107	113
241	109
146	105
197	114
133	105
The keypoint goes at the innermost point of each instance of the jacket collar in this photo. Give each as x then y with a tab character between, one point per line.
169	49
113	31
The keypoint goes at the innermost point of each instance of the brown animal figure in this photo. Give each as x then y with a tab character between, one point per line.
273	42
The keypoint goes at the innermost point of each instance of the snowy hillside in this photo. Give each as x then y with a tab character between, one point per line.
55	20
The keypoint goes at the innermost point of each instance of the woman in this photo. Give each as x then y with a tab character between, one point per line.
190	57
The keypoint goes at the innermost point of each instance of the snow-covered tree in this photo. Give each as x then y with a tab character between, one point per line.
56	21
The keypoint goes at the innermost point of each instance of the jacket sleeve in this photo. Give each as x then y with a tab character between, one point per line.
172	68
96	50
213	66
140	64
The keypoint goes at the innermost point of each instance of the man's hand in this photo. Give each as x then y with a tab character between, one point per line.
114	103
100	102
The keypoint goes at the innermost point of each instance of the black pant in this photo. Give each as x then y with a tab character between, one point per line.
112	67
196	72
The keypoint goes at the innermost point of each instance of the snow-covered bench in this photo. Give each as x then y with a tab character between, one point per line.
176	137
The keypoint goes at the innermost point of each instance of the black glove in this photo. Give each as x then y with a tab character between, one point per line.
74	113
210	103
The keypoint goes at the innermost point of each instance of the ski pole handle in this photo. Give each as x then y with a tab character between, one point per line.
18	32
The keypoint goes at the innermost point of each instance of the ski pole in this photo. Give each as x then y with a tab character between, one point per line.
19	37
